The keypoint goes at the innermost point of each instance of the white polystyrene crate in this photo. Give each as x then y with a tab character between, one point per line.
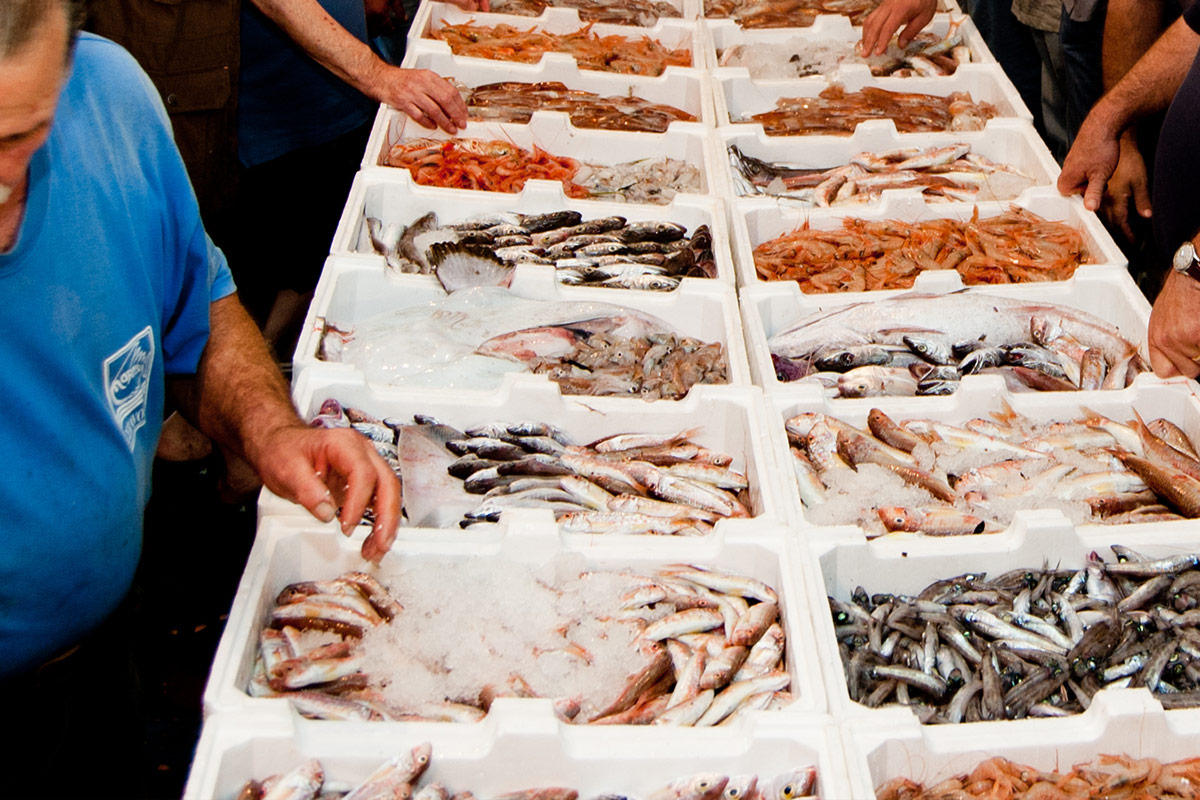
688	11
738	97
755	220
392	197
726	419
685	141
352	289
672	34
725	33
290	550
770	308
979	396
517	751
907	565
1119	722
1012	142
688	90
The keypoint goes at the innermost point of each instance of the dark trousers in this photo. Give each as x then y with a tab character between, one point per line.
1012	45
290	207
1081	45
75	724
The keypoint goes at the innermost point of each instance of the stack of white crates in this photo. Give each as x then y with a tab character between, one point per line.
520	743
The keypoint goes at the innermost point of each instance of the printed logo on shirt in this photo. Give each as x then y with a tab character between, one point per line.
127	383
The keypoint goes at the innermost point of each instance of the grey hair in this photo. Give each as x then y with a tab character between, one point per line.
19	20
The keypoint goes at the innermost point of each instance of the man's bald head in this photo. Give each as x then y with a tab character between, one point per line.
19	20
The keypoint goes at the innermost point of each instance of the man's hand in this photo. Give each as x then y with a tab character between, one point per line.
322	469
1091	161
1174	335
239	398
883	22
429	99
1127	187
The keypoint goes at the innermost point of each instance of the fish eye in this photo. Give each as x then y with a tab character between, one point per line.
733	793
787	791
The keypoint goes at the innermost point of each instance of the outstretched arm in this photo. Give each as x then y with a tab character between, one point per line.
1130	28
240	399
1146	88
430	100
882	23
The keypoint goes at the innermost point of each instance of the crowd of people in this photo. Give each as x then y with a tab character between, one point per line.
141	282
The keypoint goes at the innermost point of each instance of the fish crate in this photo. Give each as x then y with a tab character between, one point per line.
738	97
1008	142
1125	722
906	566
353	289
770	308
689	90
393	198
554	12
514	752
723	34
671	33
690	142
725	419
980	397
759	219
286	551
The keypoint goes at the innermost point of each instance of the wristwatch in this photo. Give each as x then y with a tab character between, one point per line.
1187	261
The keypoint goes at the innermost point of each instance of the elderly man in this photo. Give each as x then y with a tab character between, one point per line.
1168	75
114	296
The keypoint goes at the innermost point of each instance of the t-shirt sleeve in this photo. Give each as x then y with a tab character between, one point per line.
195	271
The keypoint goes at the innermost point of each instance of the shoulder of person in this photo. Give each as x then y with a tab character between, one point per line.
106	70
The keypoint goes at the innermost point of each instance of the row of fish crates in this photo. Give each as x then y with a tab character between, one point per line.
851	749
676	25
850	759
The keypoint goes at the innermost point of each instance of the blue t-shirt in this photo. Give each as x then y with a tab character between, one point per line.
106	290
286	100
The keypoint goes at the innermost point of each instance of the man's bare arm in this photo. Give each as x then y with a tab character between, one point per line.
240	399
431	101
1146	88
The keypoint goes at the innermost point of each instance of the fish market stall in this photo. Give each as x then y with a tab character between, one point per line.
975	96
825	51
908	238
1120	741
719	420
724	415
864	471
481	758
779	320
672	251
998	165
616	166
1037	656
668	44
360	317
624	662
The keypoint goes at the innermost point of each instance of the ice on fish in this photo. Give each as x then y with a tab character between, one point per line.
434	344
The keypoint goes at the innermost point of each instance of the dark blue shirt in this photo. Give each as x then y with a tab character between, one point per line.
1176	191
286	100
